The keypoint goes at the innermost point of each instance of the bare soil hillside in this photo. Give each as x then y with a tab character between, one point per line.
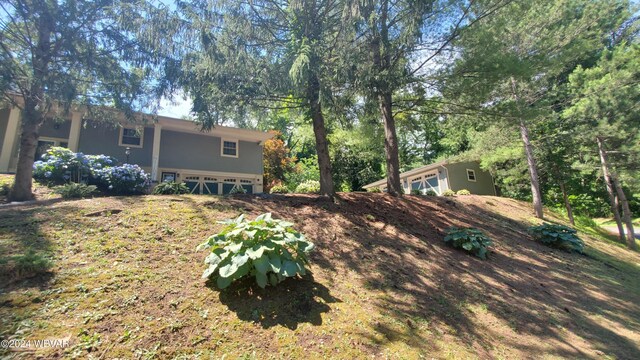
125	283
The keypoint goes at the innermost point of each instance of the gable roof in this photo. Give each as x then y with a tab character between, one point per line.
415	171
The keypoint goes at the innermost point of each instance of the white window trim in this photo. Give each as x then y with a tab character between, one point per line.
130	145
237	148
475	177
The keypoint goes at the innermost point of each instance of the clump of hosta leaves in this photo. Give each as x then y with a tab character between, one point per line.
558	236
265	248
468	239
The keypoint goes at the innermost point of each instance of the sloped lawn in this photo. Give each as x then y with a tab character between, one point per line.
124	282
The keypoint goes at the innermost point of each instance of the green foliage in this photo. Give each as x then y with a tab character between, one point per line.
279	189
416	192
558	236
463	192
306	169
308	187
170	188
238	189
75	190
5	185
375	189
430	192
268	249
448	192
30	263
468	239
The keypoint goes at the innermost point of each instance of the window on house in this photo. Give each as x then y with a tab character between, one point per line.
131	137
44	144
471	175
229	148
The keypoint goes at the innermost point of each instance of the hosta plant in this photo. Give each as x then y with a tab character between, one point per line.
170	188
75	190
468	239
238	189
558	236
463	192
308	187
448	192
265	248
279	189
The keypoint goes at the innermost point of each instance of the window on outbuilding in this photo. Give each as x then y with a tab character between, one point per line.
230	148
471	175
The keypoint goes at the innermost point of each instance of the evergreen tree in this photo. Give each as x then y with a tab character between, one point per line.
57	53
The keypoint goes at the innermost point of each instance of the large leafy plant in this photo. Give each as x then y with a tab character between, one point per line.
170	188
265	248
558	236
469	239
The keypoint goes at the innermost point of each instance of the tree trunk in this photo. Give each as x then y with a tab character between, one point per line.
533	171
320	132
34	106
382	63
394	186
626	213
23	182
531	161
567	204
610	188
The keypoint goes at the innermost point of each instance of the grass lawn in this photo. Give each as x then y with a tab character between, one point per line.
119	277
612	222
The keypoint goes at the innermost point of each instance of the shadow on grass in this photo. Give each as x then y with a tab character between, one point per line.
291	303
25	250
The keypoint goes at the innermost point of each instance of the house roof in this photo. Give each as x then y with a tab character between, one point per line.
232	133
415	171
181	125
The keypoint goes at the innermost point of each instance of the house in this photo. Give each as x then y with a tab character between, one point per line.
444	175
212	162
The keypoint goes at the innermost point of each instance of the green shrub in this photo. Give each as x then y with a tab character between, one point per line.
463	192
268	249
308	187
279	189
430	192
468	239
5	185
238	189
416	192
448	192
75	190
170	188
30	263
558	236
374	189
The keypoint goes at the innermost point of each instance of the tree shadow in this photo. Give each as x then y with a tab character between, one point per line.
291	303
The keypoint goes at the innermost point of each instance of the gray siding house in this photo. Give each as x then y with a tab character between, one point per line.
442	176
212	162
